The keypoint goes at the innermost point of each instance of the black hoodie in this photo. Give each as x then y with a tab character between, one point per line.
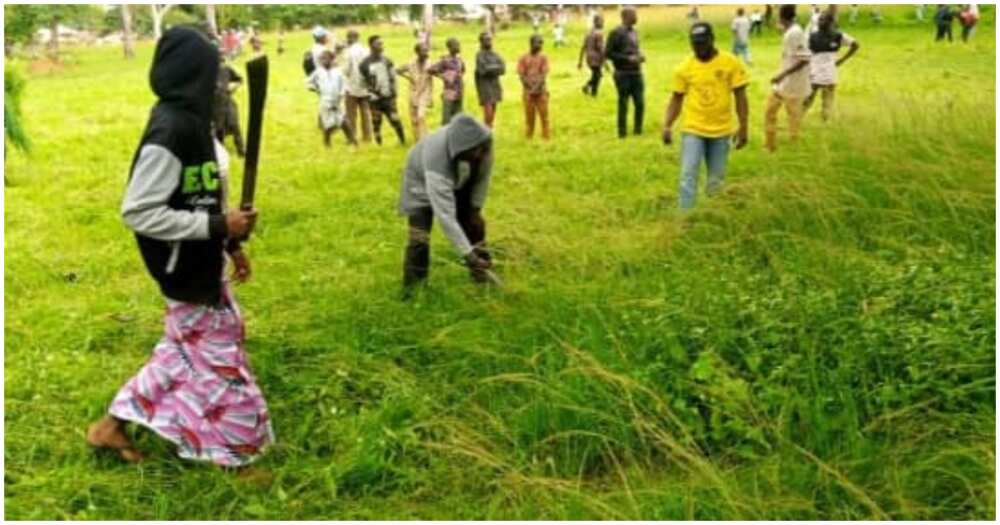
174	202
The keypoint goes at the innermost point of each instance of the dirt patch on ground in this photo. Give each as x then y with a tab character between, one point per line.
46	66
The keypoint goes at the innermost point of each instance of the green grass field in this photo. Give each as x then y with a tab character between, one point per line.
818	342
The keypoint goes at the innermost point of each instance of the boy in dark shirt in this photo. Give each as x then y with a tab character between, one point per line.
380	75
489	68
593	51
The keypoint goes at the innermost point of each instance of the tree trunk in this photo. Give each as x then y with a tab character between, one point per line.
159	11
490	20
127	43
210	16
54	39
156	22
428	22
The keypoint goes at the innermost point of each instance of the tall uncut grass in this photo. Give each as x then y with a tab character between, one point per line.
817	342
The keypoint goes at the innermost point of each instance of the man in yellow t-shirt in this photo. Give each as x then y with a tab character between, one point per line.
705	86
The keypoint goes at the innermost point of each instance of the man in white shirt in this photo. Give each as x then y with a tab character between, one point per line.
559	29
824	45
813	20
357	100
741	36
791	86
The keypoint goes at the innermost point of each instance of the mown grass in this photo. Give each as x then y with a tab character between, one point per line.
815	343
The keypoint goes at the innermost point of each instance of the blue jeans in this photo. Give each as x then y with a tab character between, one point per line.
742	50
694	148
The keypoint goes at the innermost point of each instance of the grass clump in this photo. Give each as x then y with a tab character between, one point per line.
817	342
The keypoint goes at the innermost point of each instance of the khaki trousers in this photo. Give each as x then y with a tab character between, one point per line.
354	106
418	118
827	94
793	107
536	103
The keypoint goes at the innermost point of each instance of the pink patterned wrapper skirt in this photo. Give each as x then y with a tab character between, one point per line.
197	389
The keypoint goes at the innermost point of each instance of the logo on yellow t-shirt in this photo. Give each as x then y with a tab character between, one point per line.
708	89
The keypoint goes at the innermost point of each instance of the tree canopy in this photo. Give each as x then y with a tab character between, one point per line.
23	20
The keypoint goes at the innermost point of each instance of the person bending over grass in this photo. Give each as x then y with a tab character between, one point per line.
705	86
824	44
328	82
489	68
791	86
447	176
380	76
196	390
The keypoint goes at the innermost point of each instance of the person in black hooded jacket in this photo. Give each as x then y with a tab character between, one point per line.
196	390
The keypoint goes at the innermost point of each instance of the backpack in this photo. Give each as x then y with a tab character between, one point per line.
308	64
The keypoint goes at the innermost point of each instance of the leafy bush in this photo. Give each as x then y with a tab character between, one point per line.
13	89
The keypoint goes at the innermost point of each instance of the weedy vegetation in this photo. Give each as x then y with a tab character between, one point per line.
817	342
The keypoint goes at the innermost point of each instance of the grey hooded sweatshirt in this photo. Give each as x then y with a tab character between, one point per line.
432	175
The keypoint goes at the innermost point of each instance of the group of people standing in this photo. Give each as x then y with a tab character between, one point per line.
944	17
197	390
366	85
709	85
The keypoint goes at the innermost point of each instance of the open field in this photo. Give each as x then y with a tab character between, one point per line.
818	342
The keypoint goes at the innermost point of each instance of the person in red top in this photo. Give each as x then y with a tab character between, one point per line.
533	68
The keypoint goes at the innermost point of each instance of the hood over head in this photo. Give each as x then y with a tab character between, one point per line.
465	133
184	71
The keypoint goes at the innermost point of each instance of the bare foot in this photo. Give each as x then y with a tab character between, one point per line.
108	433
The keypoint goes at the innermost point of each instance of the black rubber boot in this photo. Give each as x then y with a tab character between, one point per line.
416	264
